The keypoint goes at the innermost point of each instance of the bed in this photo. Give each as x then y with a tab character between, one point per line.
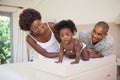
45	69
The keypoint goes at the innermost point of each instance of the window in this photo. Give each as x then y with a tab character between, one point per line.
5	38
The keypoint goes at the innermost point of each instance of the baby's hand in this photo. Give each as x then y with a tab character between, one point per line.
58	61
74	62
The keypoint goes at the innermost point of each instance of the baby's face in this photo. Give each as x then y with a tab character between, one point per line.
66	35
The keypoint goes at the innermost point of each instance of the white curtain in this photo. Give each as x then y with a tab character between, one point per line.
20	53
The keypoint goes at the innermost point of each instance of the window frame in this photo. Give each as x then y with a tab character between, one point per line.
9	14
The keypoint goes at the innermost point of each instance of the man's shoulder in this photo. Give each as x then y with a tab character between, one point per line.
109	40
84	34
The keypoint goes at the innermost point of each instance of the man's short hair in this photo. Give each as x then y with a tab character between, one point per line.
103	24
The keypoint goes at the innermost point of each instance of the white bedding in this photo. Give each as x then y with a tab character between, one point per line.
46	69
66	61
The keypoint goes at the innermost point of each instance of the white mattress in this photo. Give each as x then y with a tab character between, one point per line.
67	69
40	69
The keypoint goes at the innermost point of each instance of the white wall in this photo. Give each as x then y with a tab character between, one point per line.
119	41
80	11
21	3
83	12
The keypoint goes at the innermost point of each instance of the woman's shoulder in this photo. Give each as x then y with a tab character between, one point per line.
29	39
51	24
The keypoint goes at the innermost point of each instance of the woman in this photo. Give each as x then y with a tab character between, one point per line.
42	36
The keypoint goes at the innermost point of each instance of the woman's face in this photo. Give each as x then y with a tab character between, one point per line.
37	27
66	35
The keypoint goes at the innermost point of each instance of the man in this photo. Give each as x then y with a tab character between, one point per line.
98	41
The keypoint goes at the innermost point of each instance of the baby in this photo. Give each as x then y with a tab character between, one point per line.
69	46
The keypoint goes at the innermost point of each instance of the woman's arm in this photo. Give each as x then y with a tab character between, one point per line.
39	49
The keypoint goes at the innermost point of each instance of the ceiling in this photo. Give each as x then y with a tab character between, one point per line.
21	3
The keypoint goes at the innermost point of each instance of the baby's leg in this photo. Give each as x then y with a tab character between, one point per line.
69	55
84	55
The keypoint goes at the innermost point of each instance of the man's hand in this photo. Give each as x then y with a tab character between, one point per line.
91	53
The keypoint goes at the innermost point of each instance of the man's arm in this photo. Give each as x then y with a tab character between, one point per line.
105	52
93	54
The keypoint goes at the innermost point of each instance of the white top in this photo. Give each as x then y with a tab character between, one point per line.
50	46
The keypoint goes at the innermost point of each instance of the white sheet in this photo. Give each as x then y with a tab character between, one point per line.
66	60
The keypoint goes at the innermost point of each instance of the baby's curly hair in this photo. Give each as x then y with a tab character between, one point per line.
66	24
27	17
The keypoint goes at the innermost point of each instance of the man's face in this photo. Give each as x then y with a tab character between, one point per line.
98	34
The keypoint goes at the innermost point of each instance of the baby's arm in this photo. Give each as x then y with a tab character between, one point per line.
77	51
61	54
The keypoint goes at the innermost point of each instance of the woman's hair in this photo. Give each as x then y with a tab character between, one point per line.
27	17
66	24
